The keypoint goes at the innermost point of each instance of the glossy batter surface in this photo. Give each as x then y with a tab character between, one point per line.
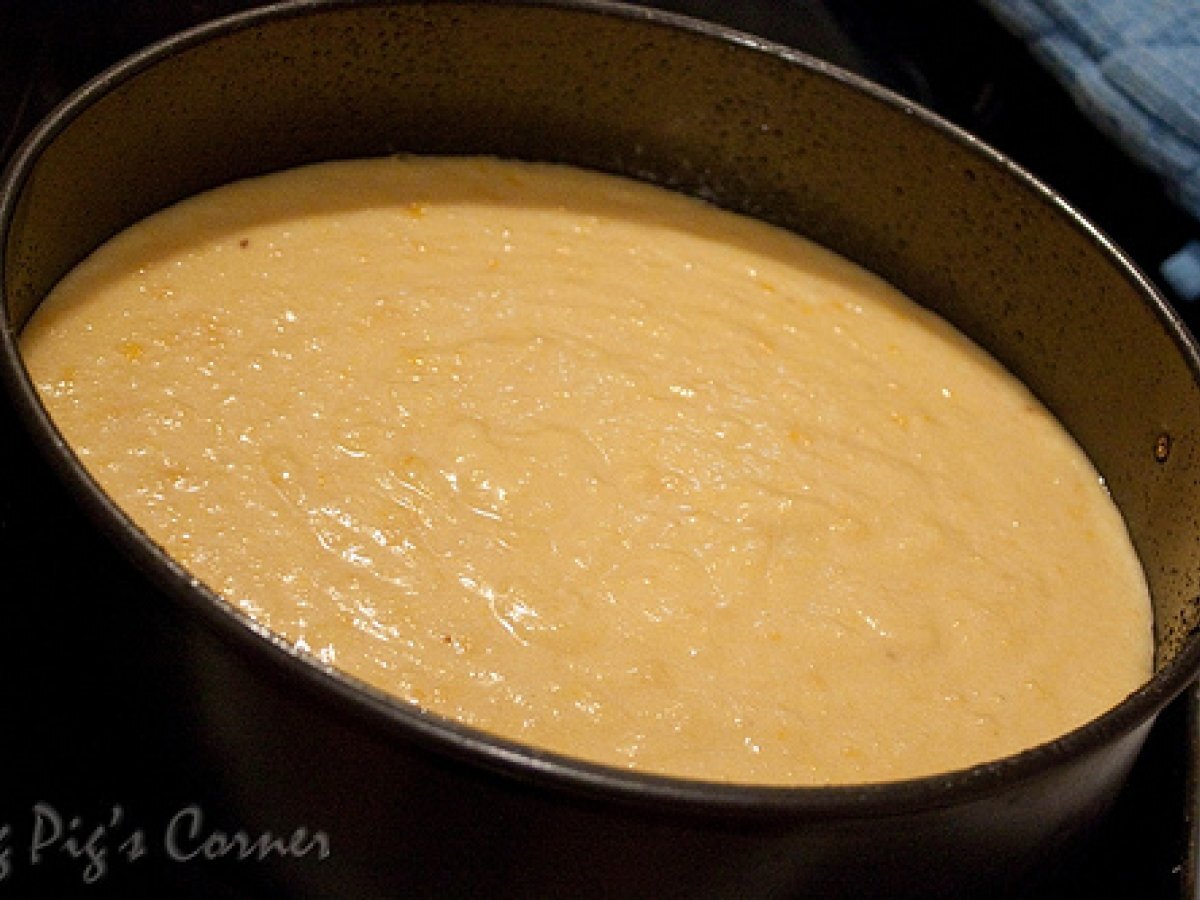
599	468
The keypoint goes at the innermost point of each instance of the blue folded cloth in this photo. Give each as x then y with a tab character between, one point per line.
1133	66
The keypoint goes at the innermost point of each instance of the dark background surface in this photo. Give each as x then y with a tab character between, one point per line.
81	740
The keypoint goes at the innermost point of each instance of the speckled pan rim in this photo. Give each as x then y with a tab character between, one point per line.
451	740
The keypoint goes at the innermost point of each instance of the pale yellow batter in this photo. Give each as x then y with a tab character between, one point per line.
599	468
